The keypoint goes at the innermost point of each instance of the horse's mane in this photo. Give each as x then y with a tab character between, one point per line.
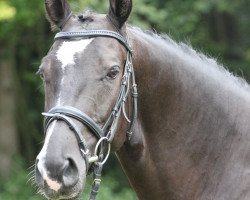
206	62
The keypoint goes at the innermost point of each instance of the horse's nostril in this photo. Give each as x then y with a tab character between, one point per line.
56	174
70	173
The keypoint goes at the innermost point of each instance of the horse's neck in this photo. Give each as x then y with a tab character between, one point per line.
186	143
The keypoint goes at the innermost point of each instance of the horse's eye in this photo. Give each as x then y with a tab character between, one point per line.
40	73
113	72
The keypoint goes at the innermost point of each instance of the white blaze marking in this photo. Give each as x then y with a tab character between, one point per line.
68	49
43	153
66	55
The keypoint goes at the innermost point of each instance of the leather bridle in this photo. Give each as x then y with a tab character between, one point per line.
106	133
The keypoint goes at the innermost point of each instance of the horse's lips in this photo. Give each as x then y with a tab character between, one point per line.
52	195
53	185
63	193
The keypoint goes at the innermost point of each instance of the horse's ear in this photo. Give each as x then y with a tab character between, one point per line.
58	11
119	11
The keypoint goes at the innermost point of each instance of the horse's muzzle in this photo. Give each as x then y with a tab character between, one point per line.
58	178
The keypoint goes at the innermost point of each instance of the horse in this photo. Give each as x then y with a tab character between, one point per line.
177	120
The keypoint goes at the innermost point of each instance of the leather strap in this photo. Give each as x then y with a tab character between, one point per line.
93	33
51	116
78	115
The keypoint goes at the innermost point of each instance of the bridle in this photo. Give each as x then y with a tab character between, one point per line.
105	134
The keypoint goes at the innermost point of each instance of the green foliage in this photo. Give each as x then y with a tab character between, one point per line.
6	11
17	186
80	6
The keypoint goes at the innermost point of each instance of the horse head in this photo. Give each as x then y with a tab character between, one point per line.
85	75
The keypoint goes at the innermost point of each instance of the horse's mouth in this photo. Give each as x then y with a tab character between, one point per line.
63	193
52	195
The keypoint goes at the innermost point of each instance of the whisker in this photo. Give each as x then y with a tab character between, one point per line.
31	173
33	185
39	191
31	180
32	166
39	87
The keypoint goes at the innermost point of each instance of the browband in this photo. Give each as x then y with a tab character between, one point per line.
93	33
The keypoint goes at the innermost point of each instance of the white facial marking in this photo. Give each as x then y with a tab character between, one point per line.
68	49
66	55
53	185
43	152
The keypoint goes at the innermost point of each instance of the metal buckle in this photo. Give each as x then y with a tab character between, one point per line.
104	160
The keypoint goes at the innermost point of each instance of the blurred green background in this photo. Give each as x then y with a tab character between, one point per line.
220	28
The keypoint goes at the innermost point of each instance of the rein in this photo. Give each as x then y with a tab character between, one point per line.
105	134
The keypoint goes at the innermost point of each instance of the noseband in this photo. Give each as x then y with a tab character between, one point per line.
106	133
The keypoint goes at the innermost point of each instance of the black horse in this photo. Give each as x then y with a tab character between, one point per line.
189	136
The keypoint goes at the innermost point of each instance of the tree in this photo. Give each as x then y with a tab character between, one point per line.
8	127
21	42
